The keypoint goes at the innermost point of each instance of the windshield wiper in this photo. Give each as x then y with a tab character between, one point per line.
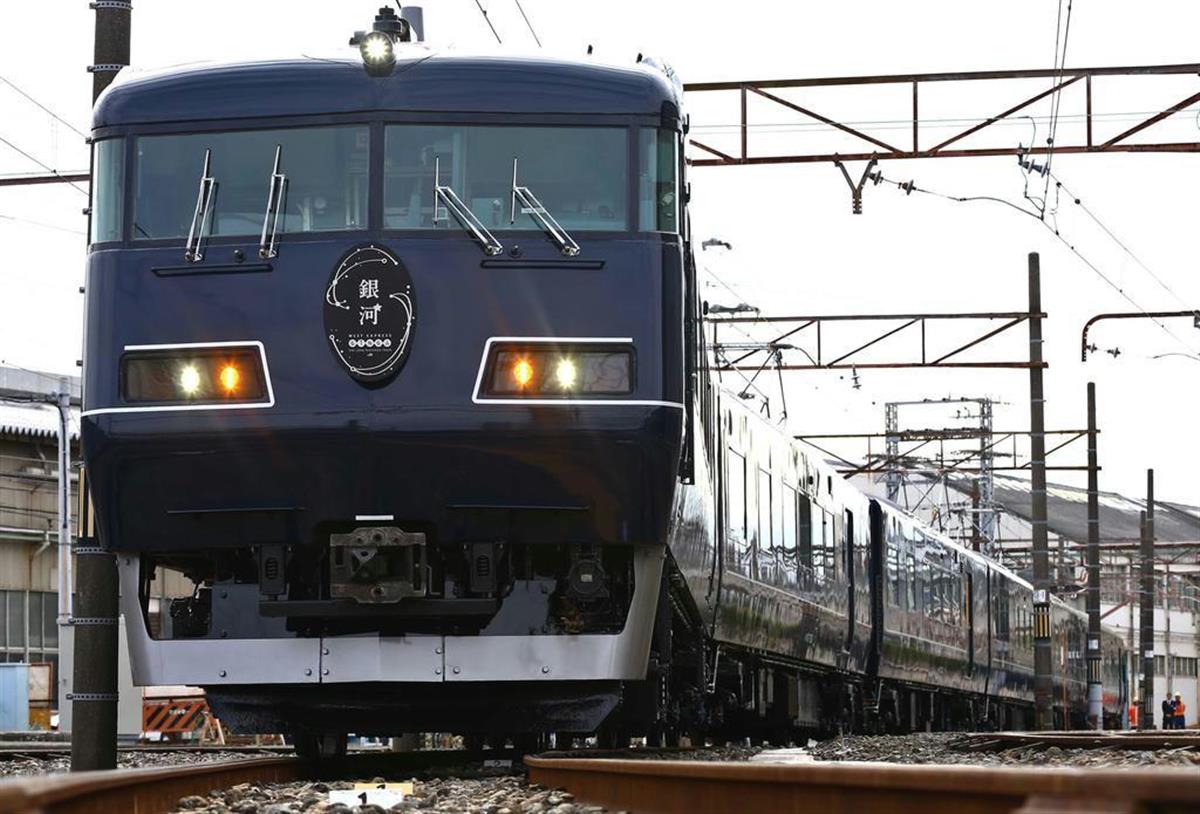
462	214
204	199
269	248
530	205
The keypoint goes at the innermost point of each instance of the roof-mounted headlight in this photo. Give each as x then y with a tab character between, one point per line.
378	46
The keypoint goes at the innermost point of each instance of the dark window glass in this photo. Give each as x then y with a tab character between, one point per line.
108	174
16	619
50	619
35	620
893	571
764	510
735	523
325	168
658	196
579	174
806	533
789	521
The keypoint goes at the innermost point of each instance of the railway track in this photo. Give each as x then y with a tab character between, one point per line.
1128	741
158	789
675	787
138	791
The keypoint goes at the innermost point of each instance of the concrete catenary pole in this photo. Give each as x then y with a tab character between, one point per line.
1146	626
1043	683
94	695
1095	692
62	401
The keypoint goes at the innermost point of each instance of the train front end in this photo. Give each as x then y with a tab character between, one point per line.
383	385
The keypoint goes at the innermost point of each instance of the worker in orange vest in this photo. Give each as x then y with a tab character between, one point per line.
1180	710
1133	715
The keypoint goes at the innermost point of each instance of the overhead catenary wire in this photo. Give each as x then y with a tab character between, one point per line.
44	166
1060	63
44	109
528	24
1078	201
488	20
38	223
910	186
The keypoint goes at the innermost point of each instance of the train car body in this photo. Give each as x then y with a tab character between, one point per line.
407	375
331	239
853	613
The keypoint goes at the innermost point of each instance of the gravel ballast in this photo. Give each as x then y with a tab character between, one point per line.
17	764
940	747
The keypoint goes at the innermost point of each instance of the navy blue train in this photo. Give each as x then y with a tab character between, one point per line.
398	365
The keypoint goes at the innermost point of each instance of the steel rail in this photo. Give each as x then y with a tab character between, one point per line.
143	791
667	787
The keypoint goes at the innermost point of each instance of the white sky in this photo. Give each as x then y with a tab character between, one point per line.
797	248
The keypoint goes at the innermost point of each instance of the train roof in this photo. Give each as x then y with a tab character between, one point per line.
423	81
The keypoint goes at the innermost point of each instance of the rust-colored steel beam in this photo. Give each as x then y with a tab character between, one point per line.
950	76
824	120
993	119
696	787
43	178
949	434
985	152
875	317
893	366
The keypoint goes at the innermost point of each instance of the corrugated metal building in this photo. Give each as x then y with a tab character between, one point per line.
29	512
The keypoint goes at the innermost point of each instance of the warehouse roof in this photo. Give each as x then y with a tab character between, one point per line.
1066	509
33	421
26	403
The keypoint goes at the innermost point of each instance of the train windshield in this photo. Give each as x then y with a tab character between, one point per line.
325	168
579	175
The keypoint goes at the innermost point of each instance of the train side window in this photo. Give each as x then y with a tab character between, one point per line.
108	190
788	519
805	555
911	581
820	519
893	571
658	184
779	501
735	520
764	509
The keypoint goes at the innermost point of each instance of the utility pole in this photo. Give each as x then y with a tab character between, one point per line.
1043	684
1094	689
96	620
62	401
1146	637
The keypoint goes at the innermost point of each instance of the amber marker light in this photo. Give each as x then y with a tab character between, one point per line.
230	376
523	372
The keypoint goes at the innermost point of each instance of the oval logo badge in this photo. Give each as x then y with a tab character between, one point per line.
370	311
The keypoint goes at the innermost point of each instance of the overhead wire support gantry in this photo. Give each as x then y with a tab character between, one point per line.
877	149
845	360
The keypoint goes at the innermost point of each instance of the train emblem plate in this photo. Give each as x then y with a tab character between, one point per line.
370	312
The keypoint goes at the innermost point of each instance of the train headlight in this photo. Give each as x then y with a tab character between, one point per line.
189	380
378	53
378	46
554	371
203	375
564	373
